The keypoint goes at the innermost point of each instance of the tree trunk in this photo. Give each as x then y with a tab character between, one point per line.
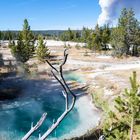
131	130
135	51
127	50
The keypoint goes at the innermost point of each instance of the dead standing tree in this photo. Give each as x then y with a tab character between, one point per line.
69	104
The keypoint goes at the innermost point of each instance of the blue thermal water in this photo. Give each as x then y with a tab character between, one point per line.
35	98
74	77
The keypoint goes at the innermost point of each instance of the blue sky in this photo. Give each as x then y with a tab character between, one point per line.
48	14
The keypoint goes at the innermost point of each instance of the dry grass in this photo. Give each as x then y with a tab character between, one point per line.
105	82
126	74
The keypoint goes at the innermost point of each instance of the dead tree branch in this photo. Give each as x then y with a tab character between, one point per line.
58	75
34	128
66	93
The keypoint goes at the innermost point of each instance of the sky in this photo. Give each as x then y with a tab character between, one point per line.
48	14
62	14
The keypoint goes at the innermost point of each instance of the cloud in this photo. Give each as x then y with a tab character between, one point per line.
110	9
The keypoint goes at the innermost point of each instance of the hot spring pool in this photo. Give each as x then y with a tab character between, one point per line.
39	96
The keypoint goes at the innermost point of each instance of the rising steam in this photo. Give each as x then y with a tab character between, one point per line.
110	9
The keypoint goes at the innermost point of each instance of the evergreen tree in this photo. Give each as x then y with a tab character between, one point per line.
98	37
68	35
90	42
85	35
117	41
9	35
24	49
77	36
131	28
42	50
94	39
105	36
123	124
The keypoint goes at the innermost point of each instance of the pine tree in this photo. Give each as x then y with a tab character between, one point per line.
42	50
85	35
94	39
105	36
131	28
117	41
24	49
123	123
70	34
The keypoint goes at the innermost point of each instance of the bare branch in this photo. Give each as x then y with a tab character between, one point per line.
66	92
51	65
65	58
34	128
61	83
59	120
66	98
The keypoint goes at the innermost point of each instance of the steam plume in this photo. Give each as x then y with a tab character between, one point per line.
110	9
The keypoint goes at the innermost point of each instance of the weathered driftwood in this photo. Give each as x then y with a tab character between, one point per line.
58	74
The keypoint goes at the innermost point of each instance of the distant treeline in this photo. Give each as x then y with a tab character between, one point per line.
8	35
50	34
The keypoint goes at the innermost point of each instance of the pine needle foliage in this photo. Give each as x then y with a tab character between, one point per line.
42	50
23	50
122	124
